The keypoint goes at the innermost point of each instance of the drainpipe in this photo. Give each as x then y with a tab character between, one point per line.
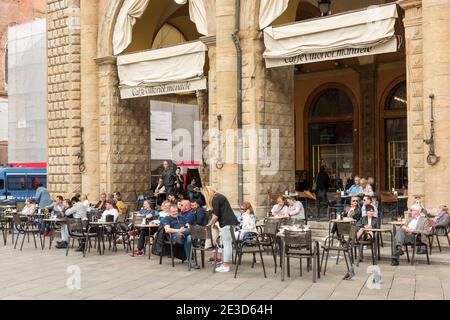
240	147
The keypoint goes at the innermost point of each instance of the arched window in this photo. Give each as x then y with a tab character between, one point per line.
395	133
397	98
331	102
168	35
330	131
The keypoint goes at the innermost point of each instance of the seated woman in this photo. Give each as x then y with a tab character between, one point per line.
367	222
30	207
442	219
150	214
247	222
280	209
366	188
353	212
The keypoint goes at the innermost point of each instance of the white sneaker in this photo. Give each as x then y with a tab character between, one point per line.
222	268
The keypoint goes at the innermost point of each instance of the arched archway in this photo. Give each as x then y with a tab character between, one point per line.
330	140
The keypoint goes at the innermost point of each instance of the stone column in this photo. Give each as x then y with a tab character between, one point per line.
225	180
202	101
89	98
63	96
414	75
436	80
267	107
108	96
366	141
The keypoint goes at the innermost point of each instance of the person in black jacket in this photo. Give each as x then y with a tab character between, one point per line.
368	221
221	212
179	182
323	184
168	177
200	214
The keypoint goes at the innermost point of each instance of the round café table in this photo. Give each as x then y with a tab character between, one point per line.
100	233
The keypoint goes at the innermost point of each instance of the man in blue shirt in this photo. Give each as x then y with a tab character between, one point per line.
42	197
356	188
186	212
178	229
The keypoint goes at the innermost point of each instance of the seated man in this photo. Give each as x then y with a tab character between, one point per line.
121	206
110	210
366	222
186	212
200	214
172	198
406	234
192	190
165	210
355	189
366	201
178	230
150	214
295	210
101	205
77	210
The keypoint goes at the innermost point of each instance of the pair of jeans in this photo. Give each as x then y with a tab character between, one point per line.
227	242
183	238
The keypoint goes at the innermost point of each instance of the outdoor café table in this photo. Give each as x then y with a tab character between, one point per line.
345	198
149	226
100	232
376	232
344	220
280	236
396	224
53	222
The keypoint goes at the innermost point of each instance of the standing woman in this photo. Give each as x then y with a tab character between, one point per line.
221	212
179	181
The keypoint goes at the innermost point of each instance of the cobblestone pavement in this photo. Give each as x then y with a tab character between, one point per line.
48	274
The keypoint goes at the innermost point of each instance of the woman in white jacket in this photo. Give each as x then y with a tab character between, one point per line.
247	221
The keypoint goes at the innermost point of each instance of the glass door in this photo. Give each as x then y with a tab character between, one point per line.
332	146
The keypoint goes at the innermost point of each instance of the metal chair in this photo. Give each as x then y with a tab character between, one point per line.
345	238
268	236
439	231
251	246
23	227
300	245
417	243
199	235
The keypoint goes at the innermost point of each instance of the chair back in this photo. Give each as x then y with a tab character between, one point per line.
298	239
200	232
17	221
332	197
109	218
388	197
271	226
73	225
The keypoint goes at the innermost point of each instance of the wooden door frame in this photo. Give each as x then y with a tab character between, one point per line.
332	119
380	138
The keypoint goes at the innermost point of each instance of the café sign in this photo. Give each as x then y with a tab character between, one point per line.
169	88
389	46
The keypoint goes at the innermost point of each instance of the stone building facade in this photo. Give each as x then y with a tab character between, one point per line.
101	143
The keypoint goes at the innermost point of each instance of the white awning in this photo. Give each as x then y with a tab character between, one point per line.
134	9
358	33
269	10
161	71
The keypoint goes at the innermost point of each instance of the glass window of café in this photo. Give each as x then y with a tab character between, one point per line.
396	138
330	131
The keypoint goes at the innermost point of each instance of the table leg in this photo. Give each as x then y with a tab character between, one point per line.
51	234
283	263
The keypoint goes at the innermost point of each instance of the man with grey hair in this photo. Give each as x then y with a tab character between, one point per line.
406	234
